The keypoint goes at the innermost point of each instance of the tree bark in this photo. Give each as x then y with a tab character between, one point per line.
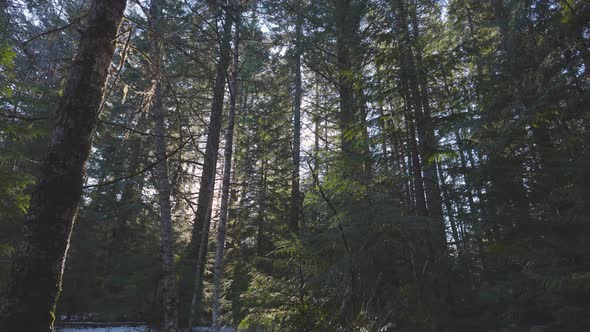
203	217
168	293
261	206
34	285
400	162
225	186
418	182
295	190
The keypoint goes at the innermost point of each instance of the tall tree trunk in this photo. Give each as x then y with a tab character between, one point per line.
131	191
400	161
413	109
428	145
261	207
127	207
206	189
132	188
473	209
4	20
316	158
476	209
316	143
34	285
225	186
417	93
449	207
418	183
348	15
345	85
385	139
508	188
295	190
365	137
326	145
347	21
168	293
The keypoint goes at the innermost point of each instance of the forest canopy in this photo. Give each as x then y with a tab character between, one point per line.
296	165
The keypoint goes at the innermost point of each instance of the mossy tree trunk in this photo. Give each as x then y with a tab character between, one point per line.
29	301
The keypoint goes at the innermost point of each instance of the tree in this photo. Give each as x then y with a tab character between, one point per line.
388	165
35	282
207	184
227	167
297	97
168	281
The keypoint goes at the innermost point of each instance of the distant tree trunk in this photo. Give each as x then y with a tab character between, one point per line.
130	195
261	207
417	93
500	17
418	182
316	143
405	161
34	285
316	157
203	217
449	207
476	209
131	188
317	120
237	288
465	171
385	139
326	144
225	186
168	294
365	137
131	191
584	50
428	147
345	84
4	18
508	187
400	160
295	190
412	112
347	23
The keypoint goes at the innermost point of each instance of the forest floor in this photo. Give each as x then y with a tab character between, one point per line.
104	329
94	327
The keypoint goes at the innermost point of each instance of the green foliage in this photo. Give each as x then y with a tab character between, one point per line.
111	274
479	107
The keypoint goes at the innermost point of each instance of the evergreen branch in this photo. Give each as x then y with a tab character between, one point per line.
146	169
55	30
